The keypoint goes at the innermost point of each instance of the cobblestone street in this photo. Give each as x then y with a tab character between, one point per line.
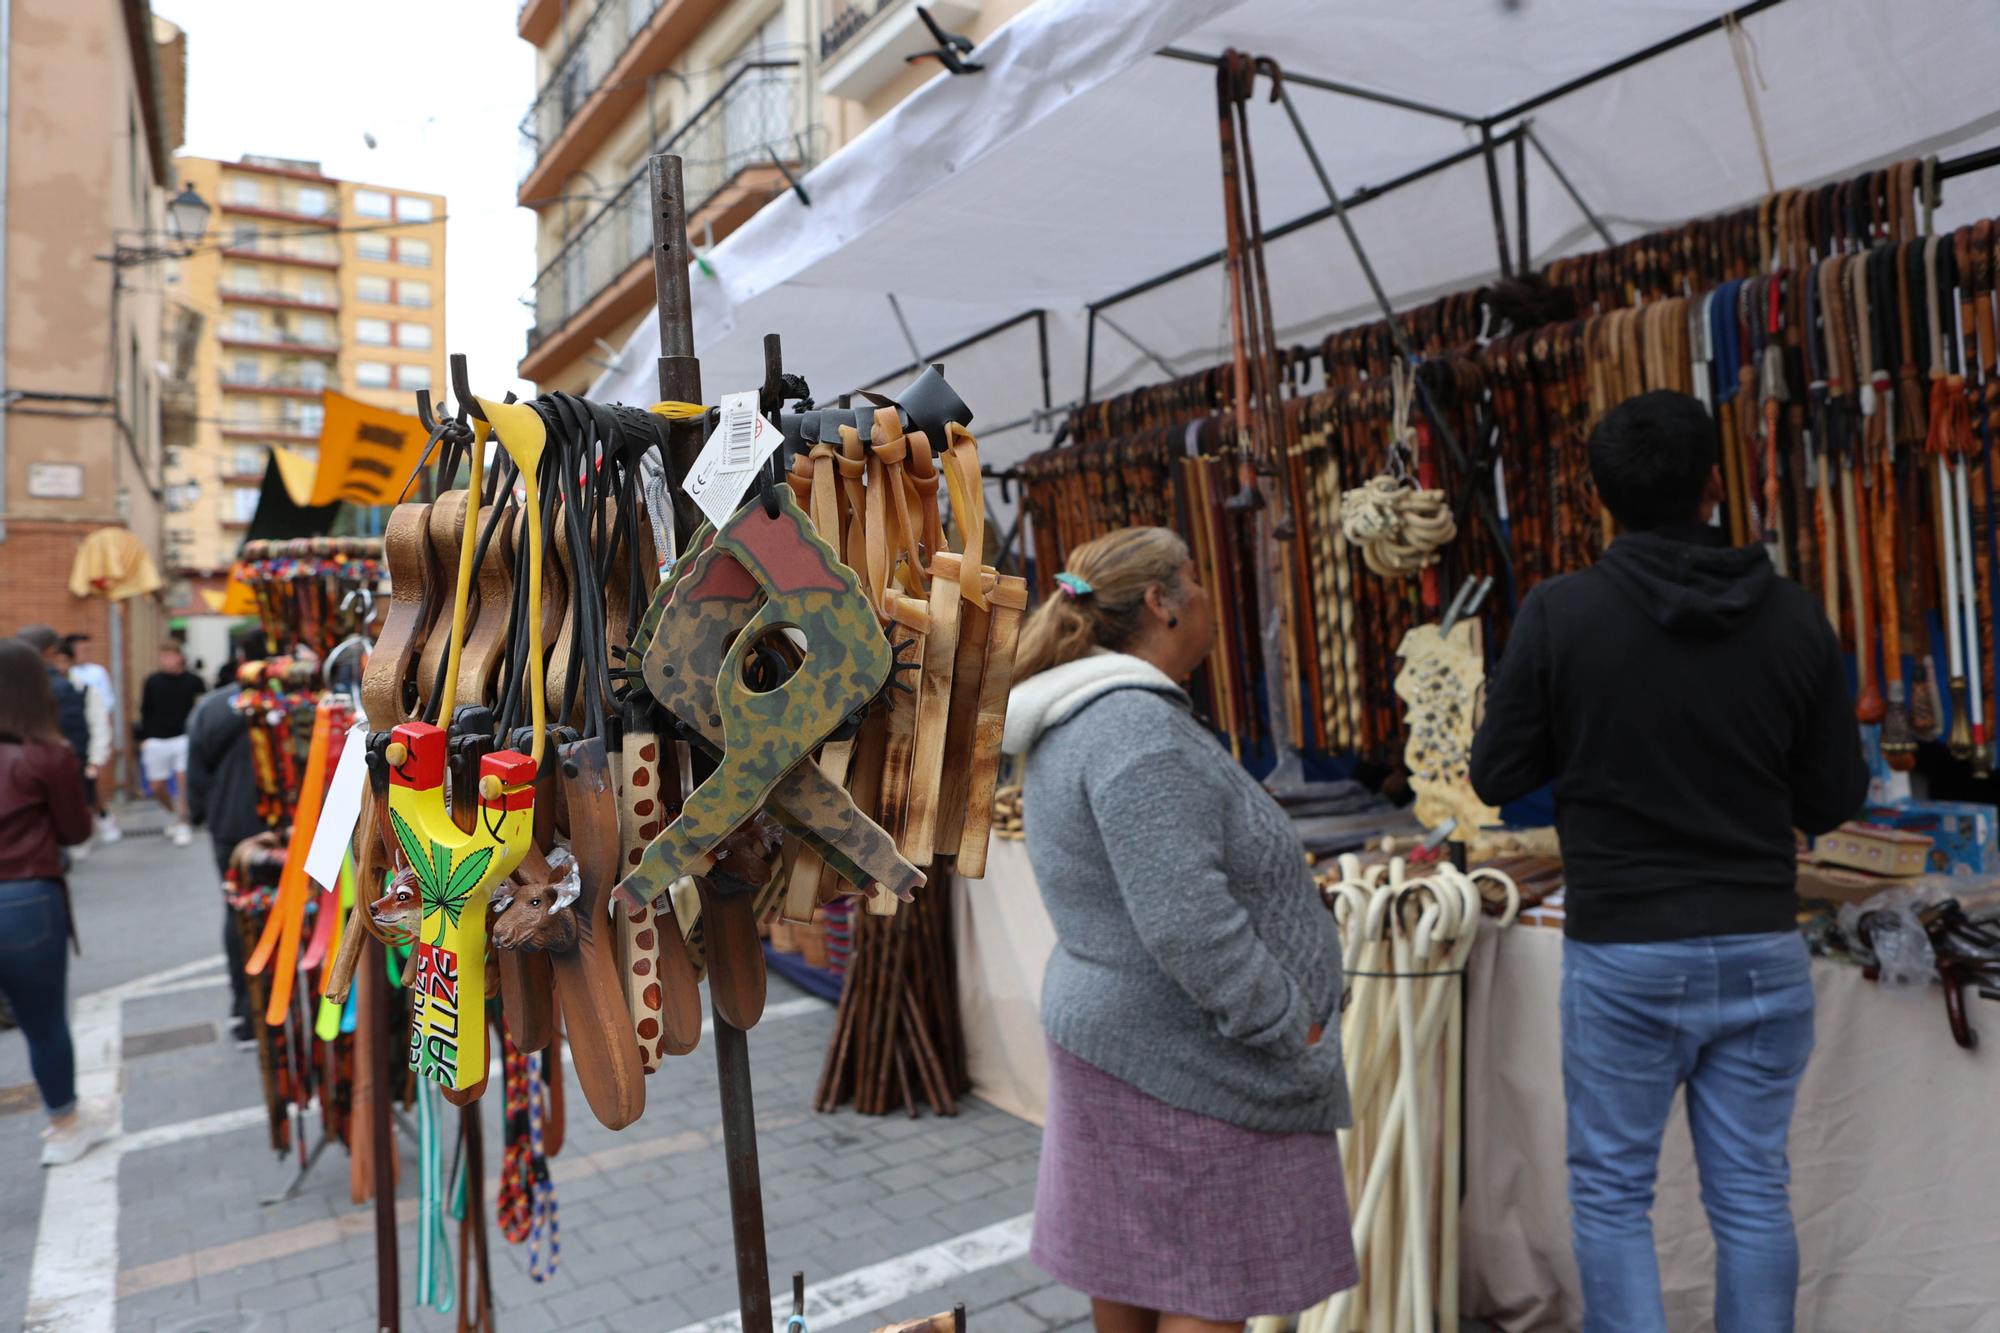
890	1218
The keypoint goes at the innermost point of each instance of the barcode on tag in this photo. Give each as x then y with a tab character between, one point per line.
739	443
729	459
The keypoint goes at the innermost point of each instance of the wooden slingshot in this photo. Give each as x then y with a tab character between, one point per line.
763	576
458	870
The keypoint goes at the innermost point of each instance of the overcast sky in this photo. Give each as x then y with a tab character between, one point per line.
441	85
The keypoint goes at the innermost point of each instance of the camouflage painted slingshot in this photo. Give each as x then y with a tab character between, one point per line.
757	576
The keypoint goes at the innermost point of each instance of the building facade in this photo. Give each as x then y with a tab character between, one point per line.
93	93
751	93
305	283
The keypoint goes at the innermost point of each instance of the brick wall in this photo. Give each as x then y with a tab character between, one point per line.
35	561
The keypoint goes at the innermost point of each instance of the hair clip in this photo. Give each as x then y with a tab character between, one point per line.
1072	585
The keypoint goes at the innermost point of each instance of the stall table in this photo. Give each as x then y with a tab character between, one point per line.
1895	1167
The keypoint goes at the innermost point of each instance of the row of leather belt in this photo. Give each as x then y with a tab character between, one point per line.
1822	327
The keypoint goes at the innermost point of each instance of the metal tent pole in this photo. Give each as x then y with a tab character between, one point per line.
1487	509
1523	260
1492	188
1624	63
680	380
1562	179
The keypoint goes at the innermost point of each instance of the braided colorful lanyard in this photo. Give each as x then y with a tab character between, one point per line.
544	1189
516	1173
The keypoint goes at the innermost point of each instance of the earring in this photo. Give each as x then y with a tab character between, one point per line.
1173	622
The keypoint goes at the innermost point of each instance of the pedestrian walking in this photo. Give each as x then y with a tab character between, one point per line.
98	719
222	796
42	810
1190	1175
71	720
1692	710
164	704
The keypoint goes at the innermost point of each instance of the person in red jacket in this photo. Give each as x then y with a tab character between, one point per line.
42	810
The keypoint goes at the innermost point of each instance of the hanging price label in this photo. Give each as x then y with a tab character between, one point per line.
728	463
340	812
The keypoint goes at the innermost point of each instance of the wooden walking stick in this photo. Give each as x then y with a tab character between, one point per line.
1843	374
1897	740
1948	423
1967	253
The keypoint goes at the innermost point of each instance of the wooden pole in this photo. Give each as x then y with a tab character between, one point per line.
680	381
385	1047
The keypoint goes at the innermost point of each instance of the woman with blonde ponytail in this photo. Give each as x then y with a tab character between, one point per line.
1190	1176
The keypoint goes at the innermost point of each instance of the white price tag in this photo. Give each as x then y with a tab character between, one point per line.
728	463
340	812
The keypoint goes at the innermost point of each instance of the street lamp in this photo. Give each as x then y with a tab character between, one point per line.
187	223
187	217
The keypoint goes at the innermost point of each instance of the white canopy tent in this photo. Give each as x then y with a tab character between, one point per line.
1002	210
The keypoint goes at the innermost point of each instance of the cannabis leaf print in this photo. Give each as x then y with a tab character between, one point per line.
445	887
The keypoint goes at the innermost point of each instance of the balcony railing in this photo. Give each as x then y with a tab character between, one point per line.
270	254
288	422
245	337
292	432
598	44
276	295
757	116
278	383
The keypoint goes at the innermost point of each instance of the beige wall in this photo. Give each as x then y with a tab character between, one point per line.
82	335
78	174
846	119
693	76
233	429
696	72
622	153
406	358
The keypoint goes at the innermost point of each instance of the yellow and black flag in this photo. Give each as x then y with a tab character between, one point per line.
365	452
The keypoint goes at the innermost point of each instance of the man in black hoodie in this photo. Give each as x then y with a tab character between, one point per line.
1692	709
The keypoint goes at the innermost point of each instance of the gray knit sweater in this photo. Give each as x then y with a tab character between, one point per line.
1192	951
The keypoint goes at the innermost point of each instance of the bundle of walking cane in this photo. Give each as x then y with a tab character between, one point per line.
1406	935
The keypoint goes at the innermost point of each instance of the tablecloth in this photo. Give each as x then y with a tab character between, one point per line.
1895	1161
1895	1147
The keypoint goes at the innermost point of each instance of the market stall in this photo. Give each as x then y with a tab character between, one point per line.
589	759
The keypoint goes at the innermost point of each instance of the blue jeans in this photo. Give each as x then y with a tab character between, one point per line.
1731	1018
34	974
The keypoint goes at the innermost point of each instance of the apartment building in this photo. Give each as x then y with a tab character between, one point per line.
94	95
751	93
307	283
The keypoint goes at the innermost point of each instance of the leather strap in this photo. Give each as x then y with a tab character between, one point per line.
892	450
968	503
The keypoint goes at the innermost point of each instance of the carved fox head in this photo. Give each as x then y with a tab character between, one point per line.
401	908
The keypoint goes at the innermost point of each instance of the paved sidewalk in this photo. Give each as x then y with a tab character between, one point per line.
913	1214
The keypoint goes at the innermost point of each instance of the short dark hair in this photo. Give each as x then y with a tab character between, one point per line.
39	637
1651	456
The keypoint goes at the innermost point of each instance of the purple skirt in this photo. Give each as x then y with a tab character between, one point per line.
1146	1204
